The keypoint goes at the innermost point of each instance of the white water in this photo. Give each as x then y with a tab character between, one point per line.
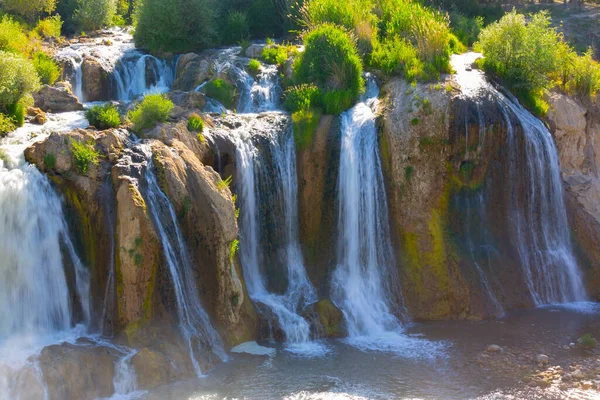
251	170
364	285
194	322
128	67
539	228
35	304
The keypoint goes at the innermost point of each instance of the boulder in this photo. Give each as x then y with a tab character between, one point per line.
56	99
152	369
254	50
96	81
36	116
494	348
78	372
192	70
326	320
542	359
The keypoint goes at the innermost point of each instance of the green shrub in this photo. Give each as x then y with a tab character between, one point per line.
17	113
353	15
585	76
588	341
94	14
254	67
236	27
103	117
305	124
269	18
221	91
176	26
49	161
277	54
84	154
13	37
337	101
466	29
6	124
49	27
195	123
29	8
154	108
47	69
397	56
302	97
331	61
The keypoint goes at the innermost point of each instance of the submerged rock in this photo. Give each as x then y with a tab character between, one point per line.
326	320
494	348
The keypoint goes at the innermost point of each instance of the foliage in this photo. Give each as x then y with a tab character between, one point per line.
302	97
17	113
84	154
103	117
254	67
18	79
195	123
233	249
94	14
466	29
175	25
331	61
6	124
221	91
29	8
236	27
588	341
49	27
337	101
305	124
13	37
224	183
585	76
50	161
397	56
154	108
46	68
277	54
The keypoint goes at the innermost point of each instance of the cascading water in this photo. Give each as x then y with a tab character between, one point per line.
132	72
35	303
538	219
254	175
194	322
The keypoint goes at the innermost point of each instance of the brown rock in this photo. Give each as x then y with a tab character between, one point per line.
56	99
96	84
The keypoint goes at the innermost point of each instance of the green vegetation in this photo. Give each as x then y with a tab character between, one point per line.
50	161
46	68
224	183
7	124
254	67
195	123
530	57
103	117
94	14
84	154
331	62
49	27
302	97
13	37
153	108
221	91
29	9
305	124
278	54
233	249
18	79
236	27
587	341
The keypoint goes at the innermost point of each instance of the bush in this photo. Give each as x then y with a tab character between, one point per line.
587	341
103	117
195	123
302	97
13	38
305	124
466	29
94	14
397	56
84	154
153	108
17	113
254	67
46	68
29	8
268	18
277	54
49	27
177	26
331	61
236	27
18	79
221	91
337	101
6	124
584	80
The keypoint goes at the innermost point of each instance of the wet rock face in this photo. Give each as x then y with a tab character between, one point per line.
56	99
326	320
96	81
192	70
576	131
78	371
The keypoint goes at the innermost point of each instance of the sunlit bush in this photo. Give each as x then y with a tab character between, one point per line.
153	109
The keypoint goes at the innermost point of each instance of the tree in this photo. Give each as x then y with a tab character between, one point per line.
94	14
29	9
17	79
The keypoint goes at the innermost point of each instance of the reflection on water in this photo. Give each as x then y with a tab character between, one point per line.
348	373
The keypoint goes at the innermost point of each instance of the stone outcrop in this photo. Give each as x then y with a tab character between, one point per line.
56	99
96	81
192	70
576	130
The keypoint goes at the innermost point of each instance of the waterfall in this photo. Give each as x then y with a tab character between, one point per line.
131	72
257	173
538	225
194	322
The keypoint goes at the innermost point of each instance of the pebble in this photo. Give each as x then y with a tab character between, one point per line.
494	348
542	359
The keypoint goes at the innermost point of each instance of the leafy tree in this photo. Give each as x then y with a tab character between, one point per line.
18	79
94	14
29	9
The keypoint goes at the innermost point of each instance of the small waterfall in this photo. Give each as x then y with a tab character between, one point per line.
539	228
125	380
256	173
364	282
136	74
194	322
